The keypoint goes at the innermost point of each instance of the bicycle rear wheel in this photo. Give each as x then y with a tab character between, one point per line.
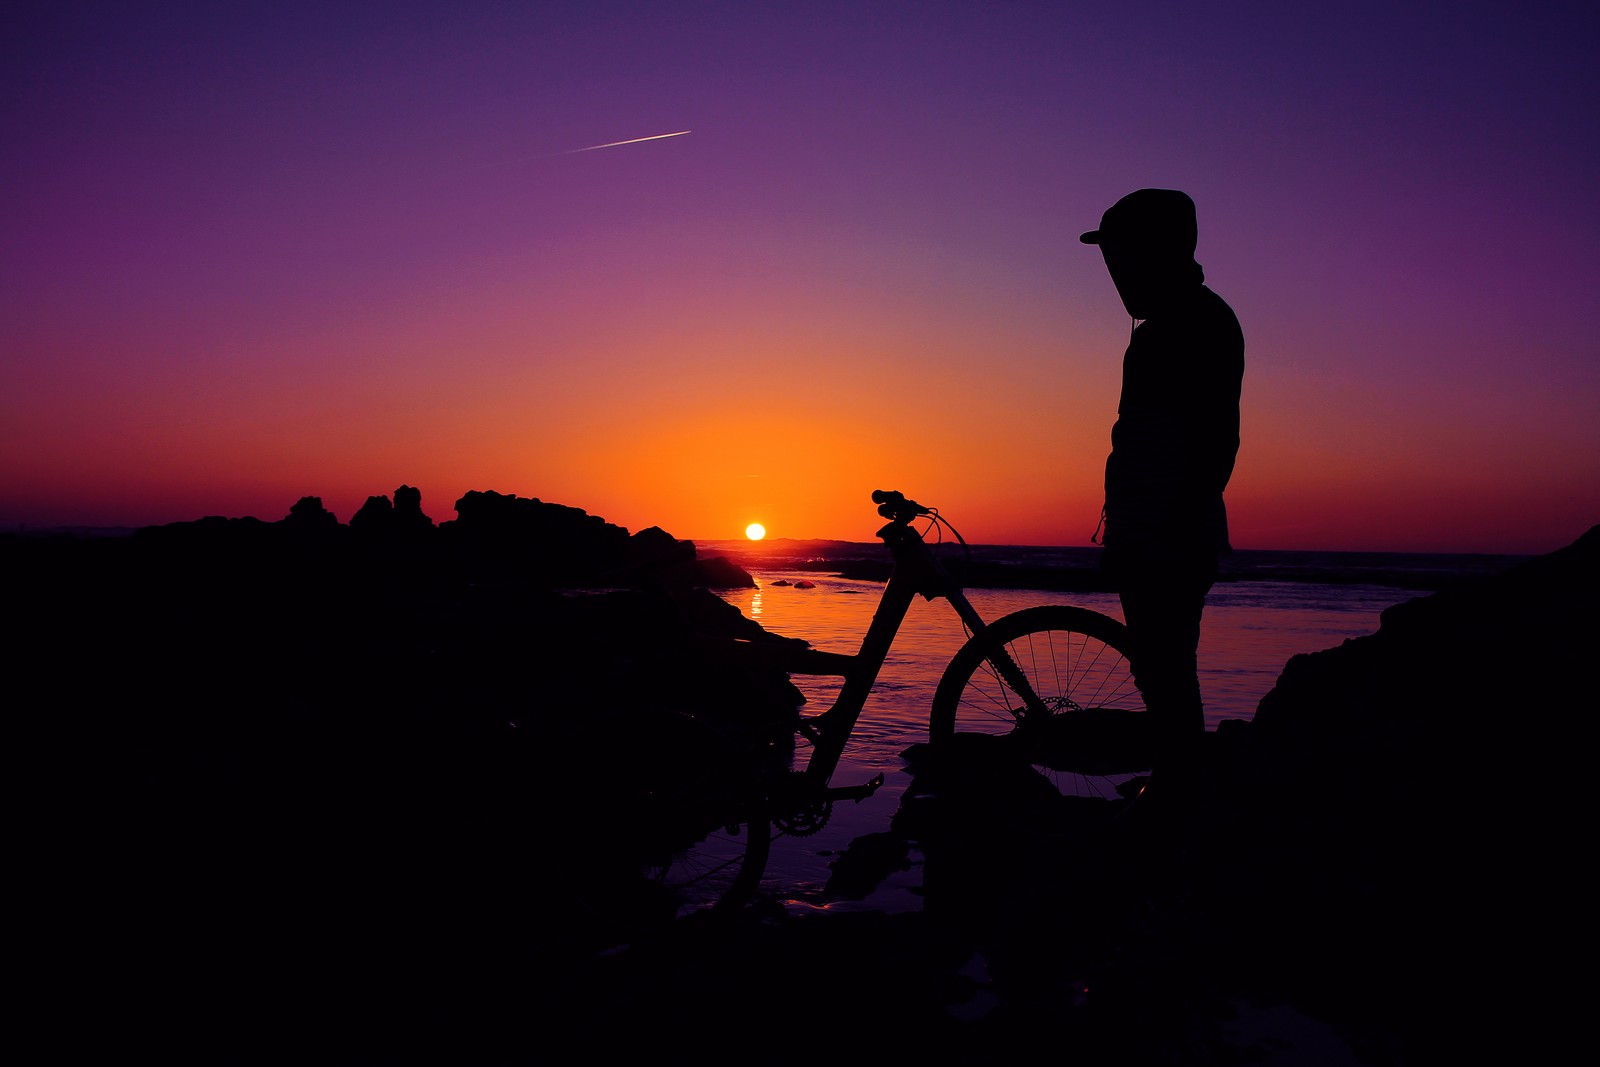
1095	740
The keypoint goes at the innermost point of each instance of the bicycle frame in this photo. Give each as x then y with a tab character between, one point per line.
916	573
766	793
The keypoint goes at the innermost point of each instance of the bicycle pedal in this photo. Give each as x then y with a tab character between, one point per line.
857	793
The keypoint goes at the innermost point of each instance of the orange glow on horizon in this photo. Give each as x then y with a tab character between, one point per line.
688	334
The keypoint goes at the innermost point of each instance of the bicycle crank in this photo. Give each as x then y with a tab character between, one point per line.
806	810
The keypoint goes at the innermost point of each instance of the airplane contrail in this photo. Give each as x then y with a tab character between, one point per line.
635	140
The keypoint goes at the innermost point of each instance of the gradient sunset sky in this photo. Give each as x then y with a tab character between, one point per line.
254	252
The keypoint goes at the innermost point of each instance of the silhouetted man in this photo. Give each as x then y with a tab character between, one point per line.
1172	452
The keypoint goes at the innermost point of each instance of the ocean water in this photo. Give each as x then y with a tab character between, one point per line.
1268	607
1272	607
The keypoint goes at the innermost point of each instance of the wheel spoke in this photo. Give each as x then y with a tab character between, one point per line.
1076	663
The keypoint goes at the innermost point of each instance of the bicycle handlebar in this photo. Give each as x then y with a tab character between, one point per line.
894	505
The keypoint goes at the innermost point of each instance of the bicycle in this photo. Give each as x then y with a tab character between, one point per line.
1054	682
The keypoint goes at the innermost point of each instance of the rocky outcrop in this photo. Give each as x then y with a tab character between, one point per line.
1396	823
1387	859
1388	847
378	519
286	786
293	763
308	513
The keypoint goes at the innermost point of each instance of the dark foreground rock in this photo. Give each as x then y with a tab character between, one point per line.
293	781
1381	868
300	791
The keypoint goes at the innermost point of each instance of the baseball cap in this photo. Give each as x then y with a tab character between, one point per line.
1148	216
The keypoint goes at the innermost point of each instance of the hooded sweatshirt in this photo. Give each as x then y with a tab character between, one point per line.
1177	431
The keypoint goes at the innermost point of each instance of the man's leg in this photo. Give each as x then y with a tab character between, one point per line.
1163	616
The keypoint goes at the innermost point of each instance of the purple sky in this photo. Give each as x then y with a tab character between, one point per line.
259	251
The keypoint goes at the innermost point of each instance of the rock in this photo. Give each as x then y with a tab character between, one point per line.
395	526
408	508
324	789
1397	819
377	513
308	512
719	572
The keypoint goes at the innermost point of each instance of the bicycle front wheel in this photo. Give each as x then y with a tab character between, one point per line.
1057	681
679	824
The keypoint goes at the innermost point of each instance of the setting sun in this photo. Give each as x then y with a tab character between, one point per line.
755	531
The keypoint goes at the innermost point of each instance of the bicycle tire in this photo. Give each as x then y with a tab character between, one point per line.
1096	741
678	825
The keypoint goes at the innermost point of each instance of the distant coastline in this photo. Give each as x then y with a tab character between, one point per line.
1076	569
1049	568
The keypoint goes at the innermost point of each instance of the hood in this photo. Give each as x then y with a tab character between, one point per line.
1148	240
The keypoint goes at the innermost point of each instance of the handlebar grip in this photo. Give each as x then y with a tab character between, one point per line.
894	505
